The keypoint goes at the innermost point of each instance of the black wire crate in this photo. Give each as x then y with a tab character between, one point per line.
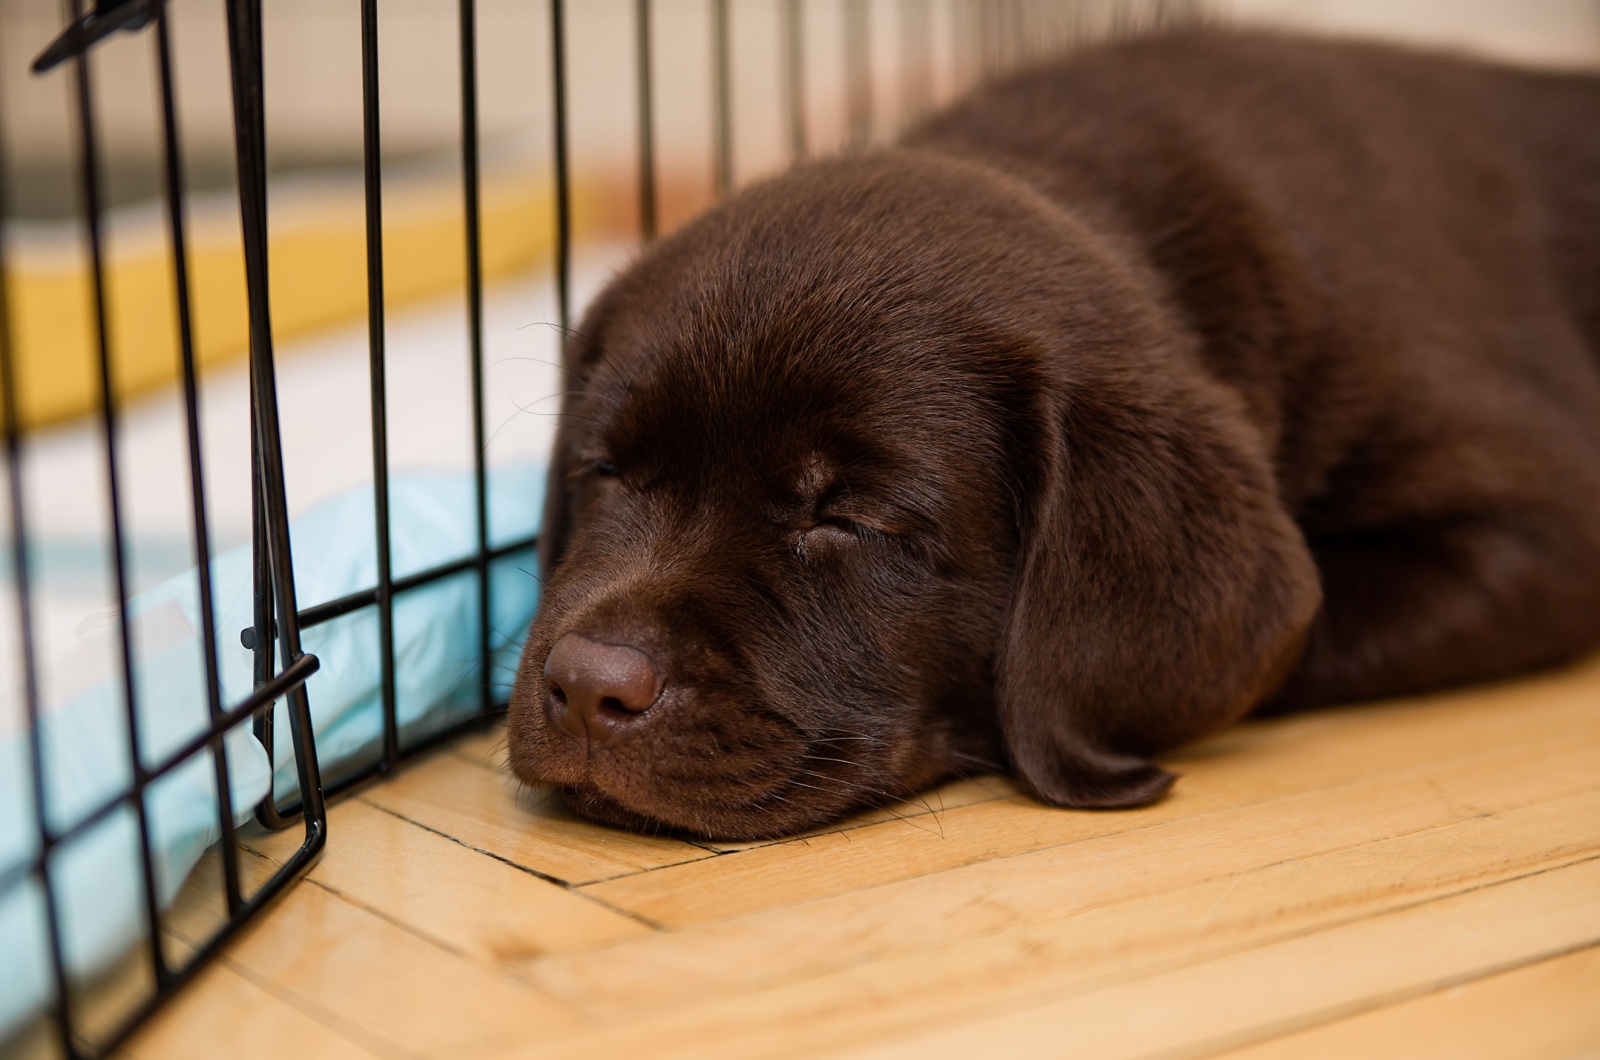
253	683
93	874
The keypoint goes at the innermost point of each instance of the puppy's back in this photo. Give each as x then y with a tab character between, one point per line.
1334	220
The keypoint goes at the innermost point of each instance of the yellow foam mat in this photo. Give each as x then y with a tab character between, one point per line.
317	277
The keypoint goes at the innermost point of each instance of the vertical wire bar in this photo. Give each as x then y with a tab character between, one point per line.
985	38
916	59
372	165
10	409
646	105
794	71
909	89
558	74
1016	40
858	71
1120	20
191	408
250	129
1005	16
89	145
470	189
722	96
998	38
1050	20
244	48
262	633
982	38
964	26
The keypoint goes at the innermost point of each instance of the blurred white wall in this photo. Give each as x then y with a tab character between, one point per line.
314	87
1543	32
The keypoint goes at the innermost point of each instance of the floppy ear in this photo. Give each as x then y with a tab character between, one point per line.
1162	590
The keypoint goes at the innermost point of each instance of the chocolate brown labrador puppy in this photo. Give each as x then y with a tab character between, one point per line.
1190	376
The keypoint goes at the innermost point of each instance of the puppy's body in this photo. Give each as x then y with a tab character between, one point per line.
1124	397
1394	260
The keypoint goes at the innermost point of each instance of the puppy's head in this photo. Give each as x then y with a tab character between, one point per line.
805	441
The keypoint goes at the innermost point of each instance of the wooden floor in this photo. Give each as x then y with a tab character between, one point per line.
1416	878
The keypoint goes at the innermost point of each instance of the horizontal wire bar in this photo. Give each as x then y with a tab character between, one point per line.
87	30
271	891
256	702
344	605
373	770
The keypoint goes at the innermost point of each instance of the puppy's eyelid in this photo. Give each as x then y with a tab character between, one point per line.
597	467
843	524
823	531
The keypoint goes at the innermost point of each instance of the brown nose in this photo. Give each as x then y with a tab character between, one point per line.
598	690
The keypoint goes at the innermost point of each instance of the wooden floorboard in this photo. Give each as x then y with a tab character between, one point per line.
1415	878
1547	1008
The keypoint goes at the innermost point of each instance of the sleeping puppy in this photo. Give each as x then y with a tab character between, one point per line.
1194	375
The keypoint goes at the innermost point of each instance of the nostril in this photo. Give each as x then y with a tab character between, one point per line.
556	692
614	704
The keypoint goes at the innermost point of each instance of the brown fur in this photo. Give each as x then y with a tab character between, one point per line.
1122	398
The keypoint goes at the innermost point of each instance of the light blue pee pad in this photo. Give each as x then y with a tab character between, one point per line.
97	876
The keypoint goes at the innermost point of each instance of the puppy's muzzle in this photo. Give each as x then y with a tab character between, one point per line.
599	692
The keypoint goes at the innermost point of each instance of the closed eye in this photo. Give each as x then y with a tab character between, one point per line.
597	467
839	522
826	535
840	529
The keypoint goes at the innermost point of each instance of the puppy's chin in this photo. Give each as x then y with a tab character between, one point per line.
763	778
714	822
792	802
620	790
590	802
702	808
